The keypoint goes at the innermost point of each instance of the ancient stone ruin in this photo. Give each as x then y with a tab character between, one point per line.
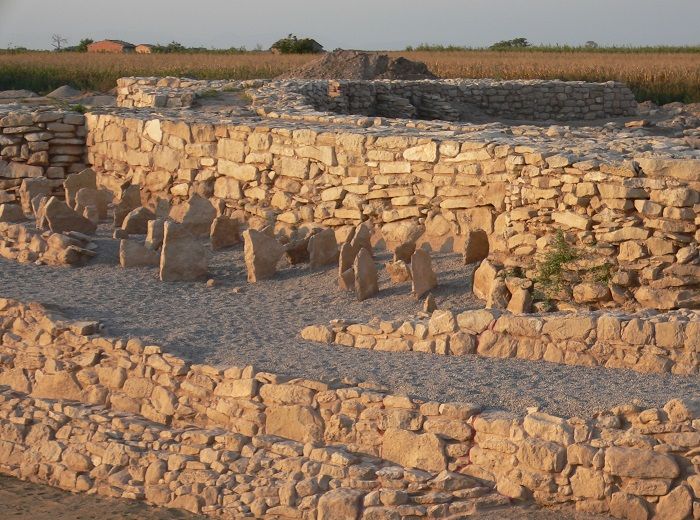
543	222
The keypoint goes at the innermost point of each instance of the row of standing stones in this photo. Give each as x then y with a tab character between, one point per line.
121	418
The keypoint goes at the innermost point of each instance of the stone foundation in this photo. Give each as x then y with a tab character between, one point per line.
667	342
148	425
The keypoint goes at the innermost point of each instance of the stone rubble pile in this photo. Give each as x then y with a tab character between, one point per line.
126	419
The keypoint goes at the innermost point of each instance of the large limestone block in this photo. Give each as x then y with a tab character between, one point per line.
296	422
224	233
422	275
633	462
542	455
677	505
366	282
323	248
484	277
262	253
62	385
196	215
30	188
183	257
476	246
627	506
133	254
87	197
423	451
548	428
340	503
136	222
588	483
73	183
11	213
59	218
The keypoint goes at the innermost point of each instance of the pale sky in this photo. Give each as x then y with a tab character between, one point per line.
357	24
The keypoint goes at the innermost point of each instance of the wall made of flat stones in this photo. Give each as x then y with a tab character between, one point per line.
664	342
621	459
637	218
40	142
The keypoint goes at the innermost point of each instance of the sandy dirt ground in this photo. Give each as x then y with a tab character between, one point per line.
236	323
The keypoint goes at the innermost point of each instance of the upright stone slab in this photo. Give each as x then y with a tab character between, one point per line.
262	253
197	215
362	238
134	254
346	259
59	218
92	197
484	278
73	183
31	188
476	246
183	257
366	283
404	252
154	234
422	274
130	200
224	233
323	249
136	222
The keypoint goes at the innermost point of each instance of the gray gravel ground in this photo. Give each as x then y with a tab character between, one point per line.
260	325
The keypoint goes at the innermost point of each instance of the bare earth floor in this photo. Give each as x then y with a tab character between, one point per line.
260	325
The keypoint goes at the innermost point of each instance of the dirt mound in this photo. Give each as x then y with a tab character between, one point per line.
360	65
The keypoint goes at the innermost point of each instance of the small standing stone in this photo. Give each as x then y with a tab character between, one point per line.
73	183
323	248
136	222
197	215
262	253
398	271
366	284
183	258
11	213
224	233
59	218
424	278
429	304
476	246
134	254
404	252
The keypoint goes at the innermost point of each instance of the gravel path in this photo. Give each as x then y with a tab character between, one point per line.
260	325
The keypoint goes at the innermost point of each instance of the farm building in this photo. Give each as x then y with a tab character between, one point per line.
144	48
115	46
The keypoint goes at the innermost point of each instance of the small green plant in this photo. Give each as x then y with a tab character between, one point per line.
79	108
293	45
601	273
550	270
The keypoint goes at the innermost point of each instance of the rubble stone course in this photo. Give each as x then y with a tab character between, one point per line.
86	412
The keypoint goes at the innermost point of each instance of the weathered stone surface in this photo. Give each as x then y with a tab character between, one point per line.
366	282
197	215
627	506
61	385
476	246
484	278
398	271
323	248
422	451
677	505
262	253
224	233
11	213
422	275
340	503
136	221
134	254
130	200
639	463
90	197
296	422
85	179
154	233
183	258
31	188
59	218
404	252
317	333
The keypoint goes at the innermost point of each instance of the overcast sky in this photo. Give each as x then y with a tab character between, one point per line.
359	24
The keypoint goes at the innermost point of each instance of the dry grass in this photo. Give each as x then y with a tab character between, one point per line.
661	77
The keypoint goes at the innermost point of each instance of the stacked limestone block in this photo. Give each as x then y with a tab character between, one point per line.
635	218
38	143
623	459
667	342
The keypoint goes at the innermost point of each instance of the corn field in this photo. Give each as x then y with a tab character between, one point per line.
660	77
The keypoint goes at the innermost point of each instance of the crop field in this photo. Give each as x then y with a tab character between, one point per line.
662	76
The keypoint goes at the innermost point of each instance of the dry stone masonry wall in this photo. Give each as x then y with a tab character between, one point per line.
144	424
666	342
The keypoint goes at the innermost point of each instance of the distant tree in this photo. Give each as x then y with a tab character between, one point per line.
590	44
83	45
169	48
58	41
515	43
293	45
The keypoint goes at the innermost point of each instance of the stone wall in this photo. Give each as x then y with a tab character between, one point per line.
666	342
634	221
464	99
38	142
627	461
